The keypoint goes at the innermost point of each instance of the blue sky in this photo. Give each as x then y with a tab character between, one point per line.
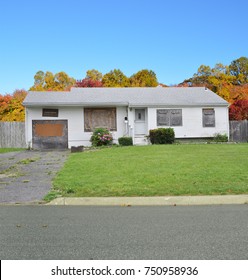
172	38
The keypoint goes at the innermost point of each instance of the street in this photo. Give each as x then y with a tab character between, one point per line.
144	232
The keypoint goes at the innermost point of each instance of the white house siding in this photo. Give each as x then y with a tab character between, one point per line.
192	126
75	117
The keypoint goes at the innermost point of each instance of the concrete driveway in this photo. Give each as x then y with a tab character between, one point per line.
26	176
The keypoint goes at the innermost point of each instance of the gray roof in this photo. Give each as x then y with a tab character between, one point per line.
153	97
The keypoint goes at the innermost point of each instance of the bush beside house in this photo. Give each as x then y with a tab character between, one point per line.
125	141
101	137
162	136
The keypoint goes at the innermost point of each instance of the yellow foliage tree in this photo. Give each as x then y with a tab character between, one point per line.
11	108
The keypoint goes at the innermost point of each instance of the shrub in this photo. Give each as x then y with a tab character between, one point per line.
162	136
218	137
101	137
125	141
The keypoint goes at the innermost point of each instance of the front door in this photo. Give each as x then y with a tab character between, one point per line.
140	122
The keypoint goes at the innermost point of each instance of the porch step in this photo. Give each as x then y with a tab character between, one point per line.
140	140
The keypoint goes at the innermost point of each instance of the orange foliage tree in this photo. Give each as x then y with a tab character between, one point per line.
11	108
239	110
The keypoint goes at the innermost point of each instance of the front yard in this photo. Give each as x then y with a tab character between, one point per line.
155	171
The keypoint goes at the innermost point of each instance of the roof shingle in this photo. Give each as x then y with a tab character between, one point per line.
159	96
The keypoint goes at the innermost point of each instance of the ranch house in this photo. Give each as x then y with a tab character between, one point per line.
59	120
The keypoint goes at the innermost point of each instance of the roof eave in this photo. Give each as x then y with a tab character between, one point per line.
179	105
76	104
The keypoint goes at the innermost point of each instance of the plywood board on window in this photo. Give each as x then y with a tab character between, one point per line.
99	117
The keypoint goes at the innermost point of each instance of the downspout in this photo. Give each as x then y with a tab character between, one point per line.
130	127
26	127
228	124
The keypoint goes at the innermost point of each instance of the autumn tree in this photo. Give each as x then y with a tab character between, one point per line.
238	92
11	108
94	75
218	79
63	81
144	78
50	82
115	78
239	110
221	81
87	82
5	101
93	78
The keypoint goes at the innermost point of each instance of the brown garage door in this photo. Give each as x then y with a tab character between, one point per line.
50	134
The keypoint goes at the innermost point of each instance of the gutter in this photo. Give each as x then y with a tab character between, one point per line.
76	104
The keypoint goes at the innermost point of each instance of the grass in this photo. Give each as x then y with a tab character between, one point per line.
155	171
8	150
28	160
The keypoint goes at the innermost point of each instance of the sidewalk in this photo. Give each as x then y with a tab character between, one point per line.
152	201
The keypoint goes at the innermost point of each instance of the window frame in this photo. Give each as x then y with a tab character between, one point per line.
50	112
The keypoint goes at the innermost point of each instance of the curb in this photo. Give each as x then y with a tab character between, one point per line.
152	201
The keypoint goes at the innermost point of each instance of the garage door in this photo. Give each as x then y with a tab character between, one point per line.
50	134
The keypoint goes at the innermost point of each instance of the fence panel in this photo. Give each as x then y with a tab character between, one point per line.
12	135
239	131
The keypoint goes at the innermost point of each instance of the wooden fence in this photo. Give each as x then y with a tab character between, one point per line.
238	131
12	135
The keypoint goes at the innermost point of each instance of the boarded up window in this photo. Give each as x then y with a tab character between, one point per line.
176	117
99	117
50	112
208	118
48	129
163	117
169	117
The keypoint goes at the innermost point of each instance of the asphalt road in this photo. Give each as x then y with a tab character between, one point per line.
87	232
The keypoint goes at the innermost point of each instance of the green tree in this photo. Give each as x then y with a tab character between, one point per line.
115	78
94	75
39	81
201	77
144	78
239	69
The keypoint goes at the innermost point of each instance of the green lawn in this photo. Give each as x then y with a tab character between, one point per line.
158	170
8	150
